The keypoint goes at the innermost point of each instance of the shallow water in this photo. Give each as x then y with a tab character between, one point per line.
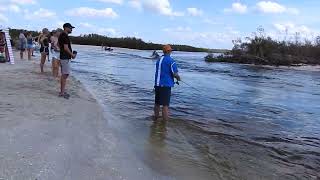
229	121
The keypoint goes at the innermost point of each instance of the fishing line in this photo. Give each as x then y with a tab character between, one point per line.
204	95
189	86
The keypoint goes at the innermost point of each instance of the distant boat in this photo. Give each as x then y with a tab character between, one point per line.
155	55
108	49
210	57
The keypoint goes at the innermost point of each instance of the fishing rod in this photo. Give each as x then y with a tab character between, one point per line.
178	83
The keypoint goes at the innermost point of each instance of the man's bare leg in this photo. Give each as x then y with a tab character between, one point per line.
156	111
165	113
63	82
29	54
42	61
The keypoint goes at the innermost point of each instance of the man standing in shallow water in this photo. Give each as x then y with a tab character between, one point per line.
166	71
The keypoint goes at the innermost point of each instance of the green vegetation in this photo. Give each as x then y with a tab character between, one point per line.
127	42
14	33
260	49
224	51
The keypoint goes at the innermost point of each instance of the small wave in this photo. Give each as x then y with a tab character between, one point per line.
133	55
276	147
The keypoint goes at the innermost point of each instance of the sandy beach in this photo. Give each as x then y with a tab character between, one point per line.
46	137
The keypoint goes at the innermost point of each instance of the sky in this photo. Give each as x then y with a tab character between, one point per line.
201	23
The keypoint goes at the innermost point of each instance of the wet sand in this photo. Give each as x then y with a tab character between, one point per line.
46	137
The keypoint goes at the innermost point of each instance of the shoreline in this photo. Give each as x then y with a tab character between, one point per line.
46	137
301	67
275	61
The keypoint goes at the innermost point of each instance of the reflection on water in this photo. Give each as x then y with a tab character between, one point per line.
232	122
158	133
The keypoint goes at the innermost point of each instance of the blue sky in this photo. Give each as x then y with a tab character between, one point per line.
205	23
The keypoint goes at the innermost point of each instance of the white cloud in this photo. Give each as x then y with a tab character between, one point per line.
293	11
111	1
90	28
214	21
86	25
162	7
3	18
40	14
14	8
136	4
195	12
91	12
185	35
178	29
10	7
210	21
270	7
237	8
44	13
108	31
275	8
288	31
24	1
292	28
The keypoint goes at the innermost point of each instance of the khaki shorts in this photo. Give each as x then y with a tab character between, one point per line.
65	66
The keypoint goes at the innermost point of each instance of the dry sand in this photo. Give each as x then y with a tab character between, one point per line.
46	137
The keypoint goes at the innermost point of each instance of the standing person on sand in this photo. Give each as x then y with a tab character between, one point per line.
29	45
166	71
44	47
22	44
55	51
66	55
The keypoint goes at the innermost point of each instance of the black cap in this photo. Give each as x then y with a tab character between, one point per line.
68	25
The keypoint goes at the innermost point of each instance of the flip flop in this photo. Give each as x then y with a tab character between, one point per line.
65	95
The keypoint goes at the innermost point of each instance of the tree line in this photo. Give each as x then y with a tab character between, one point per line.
127	42
124	42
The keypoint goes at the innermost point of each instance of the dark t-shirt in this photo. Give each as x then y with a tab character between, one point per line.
46	42
64	39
